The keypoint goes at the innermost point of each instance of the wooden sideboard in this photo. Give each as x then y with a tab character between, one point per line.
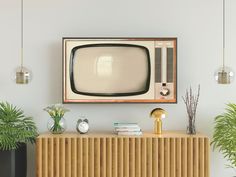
172	154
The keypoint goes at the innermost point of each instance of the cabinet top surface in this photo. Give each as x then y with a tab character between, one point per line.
165	134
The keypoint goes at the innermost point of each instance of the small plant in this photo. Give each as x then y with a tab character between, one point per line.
15	127
191	102
224	136
56	112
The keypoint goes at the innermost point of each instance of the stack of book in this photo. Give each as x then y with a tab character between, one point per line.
127	129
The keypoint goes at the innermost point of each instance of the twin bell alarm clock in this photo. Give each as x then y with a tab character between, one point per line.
82	126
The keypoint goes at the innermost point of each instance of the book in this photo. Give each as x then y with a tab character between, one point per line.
128	129
126	125
138	133
120	123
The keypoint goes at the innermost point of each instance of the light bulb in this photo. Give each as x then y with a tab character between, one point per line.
22	75
224	75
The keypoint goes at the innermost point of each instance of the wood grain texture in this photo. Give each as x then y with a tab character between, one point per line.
184	164
39	162
122	156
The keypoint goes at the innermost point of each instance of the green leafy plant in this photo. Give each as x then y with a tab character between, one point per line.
56	111
224	137
15	127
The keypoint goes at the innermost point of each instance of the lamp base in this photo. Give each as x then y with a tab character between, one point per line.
158	126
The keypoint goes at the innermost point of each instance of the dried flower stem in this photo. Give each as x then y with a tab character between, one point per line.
191	102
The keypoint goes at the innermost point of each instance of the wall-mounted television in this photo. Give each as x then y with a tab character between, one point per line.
119	70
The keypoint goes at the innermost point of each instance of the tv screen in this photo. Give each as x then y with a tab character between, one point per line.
110	69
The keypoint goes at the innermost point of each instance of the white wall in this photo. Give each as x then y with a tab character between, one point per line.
196	23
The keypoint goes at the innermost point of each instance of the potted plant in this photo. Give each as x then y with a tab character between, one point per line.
56	123
224	136
16	130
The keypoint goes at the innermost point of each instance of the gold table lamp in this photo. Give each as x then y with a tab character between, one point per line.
158	114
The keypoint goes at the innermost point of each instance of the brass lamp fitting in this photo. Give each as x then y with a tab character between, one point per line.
158	114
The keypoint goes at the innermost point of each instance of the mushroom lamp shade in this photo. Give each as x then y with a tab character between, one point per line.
158	114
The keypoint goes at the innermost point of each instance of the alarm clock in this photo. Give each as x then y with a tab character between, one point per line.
82	126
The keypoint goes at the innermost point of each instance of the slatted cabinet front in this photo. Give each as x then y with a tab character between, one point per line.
71	155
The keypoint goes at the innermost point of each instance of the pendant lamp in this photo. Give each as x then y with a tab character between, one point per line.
22	74
224	75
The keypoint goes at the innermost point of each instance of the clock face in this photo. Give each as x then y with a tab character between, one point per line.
83	127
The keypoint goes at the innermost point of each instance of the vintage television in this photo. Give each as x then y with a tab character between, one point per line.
119	70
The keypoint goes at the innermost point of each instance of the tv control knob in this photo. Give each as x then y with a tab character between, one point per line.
164	91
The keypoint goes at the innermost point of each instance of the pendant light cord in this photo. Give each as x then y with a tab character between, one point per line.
22	33
223	35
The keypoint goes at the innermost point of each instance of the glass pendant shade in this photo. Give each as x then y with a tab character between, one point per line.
22	75
224	75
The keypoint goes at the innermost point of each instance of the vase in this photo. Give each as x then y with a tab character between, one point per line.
13	163
191	130
57	125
